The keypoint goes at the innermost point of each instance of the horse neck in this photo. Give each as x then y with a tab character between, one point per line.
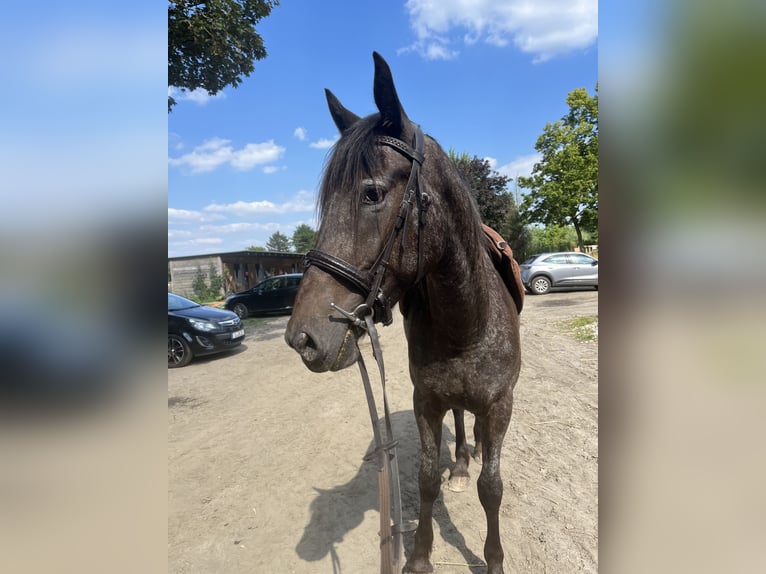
458	280
455	292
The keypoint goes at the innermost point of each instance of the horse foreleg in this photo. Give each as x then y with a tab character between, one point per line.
429	421
490	484
459	477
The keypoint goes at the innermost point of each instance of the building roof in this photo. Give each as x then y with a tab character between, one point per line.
244	253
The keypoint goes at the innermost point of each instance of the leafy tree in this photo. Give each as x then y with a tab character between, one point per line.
488	188
304	238
256	248
496	205
278	242
552	238
213	43
564	184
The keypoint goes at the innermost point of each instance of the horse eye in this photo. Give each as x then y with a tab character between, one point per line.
372	194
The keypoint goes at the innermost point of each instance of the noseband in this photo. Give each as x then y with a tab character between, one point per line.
368	283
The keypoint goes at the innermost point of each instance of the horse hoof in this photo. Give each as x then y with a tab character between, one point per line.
419	568
459	483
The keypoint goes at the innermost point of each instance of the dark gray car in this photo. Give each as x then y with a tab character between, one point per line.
544	271
273	295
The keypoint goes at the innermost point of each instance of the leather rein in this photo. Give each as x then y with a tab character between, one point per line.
377	309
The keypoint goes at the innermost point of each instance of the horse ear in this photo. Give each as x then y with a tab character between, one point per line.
342	117
391	112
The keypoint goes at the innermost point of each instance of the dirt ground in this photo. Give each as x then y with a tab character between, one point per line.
266	470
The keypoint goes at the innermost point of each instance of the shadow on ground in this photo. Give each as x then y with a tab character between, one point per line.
340	509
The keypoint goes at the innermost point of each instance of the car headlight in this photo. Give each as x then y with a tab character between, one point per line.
203	325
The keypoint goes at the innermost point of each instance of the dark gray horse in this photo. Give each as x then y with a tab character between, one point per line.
398	225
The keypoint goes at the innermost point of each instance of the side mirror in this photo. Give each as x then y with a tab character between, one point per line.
595	262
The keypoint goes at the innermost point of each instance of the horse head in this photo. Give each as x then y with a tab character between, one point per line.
370	246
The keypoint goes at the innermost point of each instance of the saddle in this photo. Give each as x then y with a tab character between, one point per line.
502	257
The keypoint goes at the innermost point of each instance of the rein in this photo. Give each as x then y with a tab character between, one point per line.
377	309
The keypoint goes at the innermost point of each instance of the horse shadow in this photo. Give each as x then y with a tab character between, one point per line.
339	510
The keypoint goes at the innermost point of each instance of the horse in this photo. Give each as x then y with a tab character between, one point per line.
398	225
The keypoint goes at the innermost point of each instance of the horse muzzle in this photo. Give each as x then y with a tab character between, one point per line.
323	345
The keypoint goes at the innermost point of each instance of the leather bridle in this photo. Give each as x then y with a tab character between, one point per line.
368	283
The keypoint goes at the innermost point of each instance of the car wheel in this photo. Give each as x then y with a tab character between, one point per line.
179	352
240	310
540	285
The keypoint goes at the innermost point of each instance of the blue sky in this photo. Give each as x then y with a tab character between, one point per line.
482	80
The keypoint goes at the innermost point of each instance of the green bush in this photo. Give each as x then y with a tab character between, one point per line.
205	289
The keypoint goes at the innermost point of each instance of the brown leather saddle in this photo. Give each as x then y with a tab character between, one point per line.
502	256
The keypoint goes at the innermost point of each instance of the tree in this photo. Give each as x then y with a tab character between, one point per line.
213	44
488	188
278	242
256	248
564	184
496	205
304	238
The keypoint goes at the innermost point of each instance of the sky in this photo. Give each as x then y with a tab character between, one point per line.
480	77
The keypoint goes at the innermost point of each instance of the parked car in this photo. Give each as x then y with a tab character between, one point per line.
544	271
273	295
195	330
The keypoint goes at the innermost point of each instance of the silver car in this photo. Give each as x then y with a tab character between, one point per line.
542	272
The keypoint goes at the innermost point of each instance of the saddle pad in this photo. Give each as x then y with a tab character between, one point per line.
502	256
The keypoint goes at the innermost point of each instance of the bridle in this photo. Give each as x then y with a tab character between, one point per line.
369	282
377	309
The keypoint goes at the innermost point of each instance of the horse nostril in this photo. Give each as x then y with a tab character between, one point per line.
301	341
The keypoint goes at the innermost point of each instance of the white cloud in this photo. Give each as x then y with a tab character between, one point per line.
543	29
303	201
324	143
206	241
274	168
522	166
239	227
216	152
198	96
190	216
300	133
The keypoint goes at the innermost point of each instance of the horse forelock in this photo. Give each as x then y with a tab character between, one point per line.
354	157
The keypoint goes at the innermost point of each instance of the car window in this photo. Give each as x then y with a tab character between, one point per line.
176	303
556	259
581	259
293	281
530	260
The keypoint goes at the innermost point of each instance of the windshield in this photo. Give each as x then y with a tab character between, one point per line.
176	303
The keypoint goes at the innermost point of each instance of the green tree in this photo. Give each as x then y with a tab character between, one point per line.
496	205
488	188
551	238
213	44
304	238
278	242
256	248
564	184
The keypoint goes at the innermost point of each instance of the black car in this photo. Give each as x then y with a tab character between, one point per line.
195	330
273	295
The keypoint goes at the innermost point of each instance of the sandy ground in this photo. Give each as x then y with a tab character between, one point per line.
266	470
